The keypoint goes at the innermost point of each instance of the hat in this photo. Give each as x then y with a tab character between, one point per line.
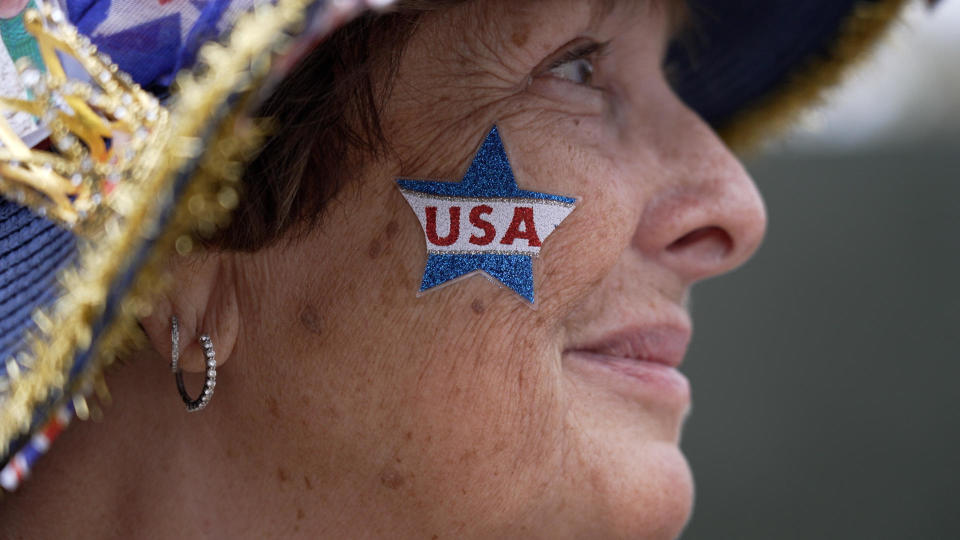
105	171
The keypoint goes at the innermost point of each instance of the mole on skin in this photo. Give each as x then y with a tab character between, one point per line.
310	319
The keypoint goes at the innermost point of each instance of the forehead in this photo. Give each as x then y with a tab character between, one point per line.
501	26
595	12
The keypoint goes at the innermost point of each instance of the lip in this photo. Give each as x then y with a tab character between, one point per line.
638	362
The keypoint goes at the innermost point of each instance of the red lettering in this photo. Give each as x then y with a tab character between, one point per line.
454	233
522	215
489	232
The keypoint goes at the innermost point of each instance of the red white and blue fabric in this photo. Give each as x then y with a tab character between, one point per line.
484	223
19	466
152	39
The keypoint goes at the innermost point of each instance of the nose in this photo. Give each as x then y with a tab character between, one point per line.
705	216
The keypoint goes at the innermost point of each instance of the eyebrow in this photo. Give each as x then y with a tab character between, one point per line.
602	10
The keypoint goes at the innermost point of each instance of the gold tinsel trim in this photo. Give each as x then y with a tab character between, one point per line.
231	75
780	109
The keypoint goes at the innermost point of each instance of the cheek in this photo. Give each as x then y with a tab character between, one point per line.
575	157
448	404
459	388
484	397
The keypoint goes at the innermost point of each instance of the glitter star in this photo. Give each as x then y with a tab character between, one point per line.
484	223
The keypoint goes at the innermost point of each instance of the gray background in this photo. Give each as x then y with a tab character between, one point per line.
825	371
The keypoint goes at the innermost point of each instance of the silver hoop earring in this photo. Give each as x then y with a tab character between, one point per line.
211	374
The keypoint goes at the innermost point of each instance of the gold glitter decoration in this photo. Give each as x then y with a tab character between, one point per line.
192	151
97	126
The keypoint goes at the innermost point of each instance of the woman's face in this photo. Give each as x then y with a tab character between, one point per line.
466	410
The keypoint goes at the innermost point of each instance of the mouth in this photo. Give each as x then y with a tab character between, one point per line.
640	362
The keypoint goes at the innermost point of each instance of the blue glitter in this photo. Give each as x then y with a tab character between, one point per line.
514	271
490	176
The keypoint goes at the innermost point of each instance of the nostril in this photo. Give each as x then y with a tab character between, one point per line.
705	244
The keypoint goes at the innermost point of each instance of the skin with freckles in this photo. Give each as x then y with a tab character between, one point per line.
351	408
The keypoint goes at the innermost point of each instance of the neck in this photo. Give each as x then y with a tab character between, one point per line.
151	466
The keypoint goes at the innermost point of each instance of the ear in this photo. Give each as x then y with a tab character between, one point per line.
203	297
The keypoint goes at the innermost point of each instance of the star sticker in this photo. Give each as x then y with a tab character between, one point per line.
484	223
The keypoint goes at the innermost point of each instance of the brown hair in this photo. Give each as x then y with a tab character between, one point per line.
326	109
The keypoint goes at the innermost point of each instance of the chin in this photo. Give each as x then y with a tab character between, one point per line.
631	490
654	498
632	480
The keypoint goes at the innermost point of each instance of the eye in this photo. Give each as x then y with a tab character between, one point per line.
578	71
575	64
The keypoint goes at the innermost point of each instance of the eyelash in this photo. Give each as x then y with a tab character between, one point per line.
577	53
586	51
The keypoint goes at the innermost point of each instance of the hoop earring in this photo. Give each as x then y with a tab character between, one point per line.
211	375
